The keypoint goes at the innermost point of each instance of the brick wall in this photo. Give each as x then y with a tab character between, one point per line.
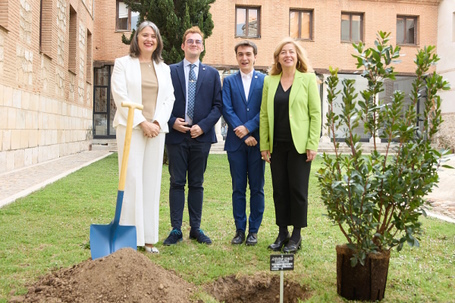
107	41
38	119
326	49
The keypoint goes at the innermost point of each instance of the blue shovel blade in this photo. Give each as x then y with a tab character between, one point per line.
106	239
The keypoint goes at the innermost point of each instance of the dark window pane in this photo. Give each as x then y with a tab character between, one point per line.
122	24
102	76
112	111
100	99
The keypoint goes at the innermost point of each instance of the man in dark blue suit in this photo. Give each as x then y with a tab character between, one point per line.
242	95
197	108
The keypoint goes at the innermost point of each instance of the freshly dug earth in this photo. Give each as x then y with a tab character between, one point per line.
124	276
261	288
129	276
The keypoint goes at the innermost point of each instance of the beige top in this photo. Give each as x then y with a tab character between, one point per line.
149	89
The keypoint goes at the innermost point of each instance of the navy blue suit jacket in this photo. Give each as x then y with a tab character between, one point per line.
237	111
207	106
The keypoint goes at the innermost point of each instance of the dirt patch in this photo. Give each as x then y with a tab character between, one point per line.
129	276
124	276
261	288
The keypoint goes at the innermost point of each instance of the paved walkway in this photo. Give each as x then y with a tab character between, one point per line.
22	182
442	199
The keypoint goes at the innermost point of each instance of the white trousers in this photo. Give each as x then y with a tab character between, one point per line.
141	198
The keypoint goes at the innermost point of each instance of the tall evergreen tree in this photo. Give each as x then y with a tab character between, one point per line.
173	18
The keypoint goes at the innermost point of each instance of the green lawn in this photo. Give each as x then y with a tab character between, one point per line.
49	229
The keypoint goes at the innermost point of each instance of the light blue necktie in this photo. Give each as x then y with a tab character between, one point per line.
191	91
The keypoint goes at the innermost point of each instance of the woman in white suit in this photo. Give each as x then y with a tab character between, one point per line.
143	77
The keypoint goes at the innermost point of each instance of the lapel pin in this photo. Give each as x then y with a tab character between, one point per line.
255	77
203	68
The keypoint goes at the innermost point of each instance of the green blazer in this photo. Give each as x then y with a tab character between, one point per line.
304	112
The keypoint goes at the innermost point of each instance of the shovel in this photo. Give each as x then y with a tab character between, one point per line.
106	239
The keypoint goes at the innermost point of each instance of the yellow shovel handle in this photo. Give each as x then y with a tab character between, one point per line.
126	149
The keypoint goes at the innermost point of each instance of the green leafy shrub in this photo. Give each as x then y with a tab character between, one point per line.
377	198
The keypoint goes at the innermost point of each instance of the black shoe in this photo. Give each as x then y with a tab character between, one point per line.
174	237
198	234
292	246
239	237
252	239
279	242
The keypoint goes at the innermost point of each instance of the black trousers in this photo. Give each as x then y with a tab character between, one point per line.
290	176
187	158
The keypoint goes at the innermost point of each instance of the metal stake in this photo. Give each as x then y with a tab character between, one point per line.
281	285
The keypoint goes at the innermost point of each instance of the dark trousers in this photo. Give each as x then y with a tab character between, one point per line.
188	157
246	165
290	176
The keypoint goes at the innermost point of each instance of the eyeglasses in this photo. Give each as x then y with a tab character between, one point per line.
191	41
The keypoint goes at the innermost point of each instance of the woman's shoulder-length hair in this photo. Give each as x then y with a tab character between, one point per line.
134	46
303	64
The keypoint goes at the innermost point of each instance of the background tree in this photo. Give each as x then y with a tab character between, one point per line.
173	18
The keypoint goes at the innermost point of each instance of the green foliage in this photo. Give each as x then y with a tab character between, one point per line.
173	18
376	199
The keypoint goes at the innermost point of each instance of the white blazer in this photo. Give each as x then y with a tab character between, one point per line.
126	83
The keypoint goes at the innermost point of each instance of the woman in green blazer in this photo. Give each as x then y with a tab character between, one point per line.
290	126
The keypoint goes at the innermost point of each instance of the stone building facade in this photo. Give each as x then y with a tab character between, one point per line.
45	80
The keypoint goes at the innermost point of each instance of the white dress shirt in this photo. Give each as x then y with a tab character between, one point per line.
246	80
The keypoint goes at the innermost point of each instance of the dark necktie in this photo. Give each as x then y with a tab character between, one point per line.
191	91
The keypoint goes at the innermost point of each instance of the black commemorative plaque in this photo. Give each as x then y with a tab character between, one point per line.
281	262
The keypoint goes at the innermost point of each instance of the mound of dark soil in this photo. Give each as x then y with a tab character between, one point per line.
124	276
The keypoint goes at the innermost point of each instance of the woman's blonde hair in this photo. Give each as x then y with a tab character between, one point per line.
303	64
134	45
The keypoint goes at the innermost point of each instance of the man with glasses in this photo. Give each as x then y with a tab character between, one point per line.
197	108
